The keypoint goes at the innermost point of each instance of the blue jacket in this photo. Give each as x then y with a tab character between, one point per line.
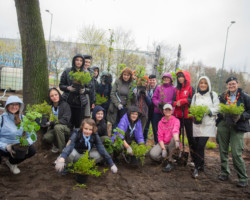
95	140
8	128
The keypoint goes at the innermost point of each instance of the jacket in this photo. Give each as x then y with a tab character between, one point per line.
207	128
113	107
184	95
168	94
76	137
243	123
143	101
166	129
102	125
8	128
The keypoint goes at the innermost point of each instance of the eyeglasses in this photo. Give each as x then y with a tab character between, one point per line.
14	104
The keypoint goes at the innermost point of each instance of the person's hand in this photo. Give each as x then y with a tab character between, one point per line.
60	163
48	124
10	150
236	118
129	151
114	169
164	153
93	106
87	90
81	91
120	106
135	90
177	144
71	89
178	103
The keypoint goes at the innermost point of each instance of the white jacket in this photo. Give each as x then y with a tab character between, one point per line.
207	128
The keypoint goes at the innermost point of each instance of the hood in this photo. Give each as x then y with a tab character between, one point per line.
167	75
60	96
14	99
187	78
95	110
73	62
208	82
106	77
133	109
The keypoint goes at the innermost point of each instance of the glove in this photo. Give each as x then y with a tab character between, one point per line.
82	91
120	106
47	124
135	90
71	89
86	90
129	151
236	118
60	163
210	114
10	150
114	169
177	144
164	153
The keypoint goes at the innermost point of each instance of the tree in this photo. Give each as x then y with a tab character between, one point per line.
35	66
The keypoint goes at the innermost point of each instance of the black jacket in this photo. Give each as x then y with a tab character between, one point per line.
102	125
243	123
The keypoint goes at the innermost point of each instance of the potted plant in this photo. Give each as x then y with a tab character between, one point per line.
198	112
139	153
231	112
80	79
84	167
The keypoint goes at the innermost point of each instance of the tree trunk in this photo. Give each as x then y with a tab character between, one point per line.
35	66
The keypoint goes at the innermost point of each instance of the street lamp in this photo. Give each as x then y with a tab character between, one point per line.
221	74
51	18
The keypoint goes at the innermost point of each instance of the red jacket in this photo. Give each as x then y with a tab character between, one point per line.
184	95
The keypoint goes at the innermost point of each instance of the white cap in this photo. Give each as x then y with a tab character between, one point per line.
169	106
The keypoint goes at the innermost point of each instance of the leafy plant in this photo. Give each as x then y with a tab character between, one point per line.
210	145
231	109
140	150
100	100
117	144
198	111
111	49
81	77
174	74
185	140
160	67
79	186
85	166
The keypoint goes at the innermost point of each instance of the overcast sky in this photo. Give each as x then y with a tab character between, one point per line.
198	25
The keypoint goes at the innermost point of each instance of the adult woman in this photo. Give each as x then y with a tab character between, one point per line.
120	97
84	139
201	132
233	134
163	94
9	132
58	132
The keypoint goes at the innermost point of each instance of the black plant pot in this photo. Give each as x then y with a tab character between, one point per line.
77	86
197	122
20	151
81	178
230	119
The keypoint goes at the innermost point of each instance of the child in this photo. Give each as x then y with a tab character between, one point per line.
168	137
84	139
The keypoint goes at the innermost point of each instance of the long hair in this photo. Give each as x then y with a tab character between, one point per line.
60	96
129	71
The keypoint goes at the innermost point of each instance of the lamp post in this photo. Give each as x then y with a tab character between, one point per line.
221	74
51	18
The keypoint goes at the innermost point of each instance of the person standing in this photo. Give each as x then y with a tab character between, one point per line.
233	134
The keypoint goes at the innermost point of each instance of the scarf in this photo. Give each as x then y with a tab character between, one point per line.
131	130
87	143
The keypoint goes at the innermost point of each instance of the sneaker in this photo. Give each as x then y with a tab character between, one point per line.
191	164
195	173
54	149
13	168
223	177
168	168
242	184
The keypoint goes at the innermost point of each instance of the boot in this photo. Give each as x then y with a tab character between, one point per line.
168	168
242	184
13	168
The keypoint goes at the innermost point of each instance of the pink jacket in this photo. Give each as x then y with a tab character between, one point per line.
166	129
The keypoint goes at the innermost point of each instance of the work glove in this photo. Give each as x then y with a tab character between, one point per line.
135	90
164	153
120	106
129	151
236	118
82	91
177	144
47	124
10	150
210	114
114	169
71	89
60	163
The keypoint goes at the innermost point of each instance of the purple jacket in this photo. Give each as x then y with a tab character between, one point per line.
168	95
123	125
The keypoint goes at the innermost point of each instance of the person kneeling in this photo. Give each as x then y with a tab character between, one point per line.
84	139
168	137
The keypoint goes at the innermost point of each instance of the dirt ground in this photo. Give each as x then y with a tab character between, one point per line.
38	180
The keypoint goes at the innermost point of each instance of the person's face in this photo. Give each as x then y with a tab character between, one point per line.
87	129
133	116
54	96
96	72
13	107
181	80
167	112
232	86
203	85
126	76
166	79
78	62
145	83
152	82
87	63
99	115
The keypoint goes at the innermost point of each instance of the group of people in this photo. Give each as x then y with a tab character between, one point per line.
132	109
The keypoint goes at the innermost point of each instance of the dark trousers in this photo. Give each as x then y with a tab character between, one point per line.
14	161
119	115
76	117
156	118
146	129
188	124
199	151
